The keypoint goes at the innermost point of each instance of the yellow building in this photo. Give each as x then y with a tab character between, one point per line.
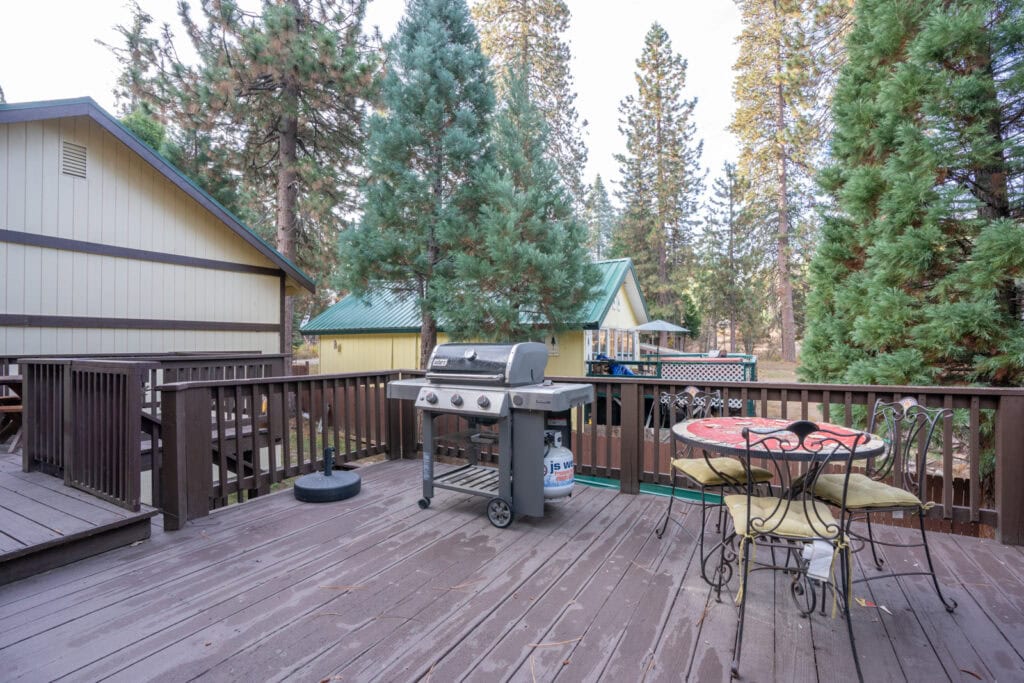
105	247
380	332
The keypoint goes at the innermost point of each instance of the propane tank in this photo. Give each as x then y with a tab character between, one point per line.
558	467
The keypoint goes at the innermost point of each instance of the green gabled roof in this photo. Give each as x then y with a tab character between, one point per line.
379	311
614	273
19	112
383	312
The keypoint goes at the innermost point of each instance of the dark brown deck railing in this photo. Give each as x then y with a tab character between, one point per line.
237	438
82	422
611	438
50	420
234	438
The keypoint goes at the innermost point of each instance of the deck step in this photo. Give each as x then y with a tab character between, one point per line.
45	524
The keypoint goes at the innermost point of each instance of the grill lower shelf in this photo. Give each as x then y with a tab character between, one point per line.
475	479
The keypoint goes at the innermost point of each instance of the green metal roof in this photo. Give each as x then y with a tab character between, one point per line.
379	311
613	275
383	312
17	112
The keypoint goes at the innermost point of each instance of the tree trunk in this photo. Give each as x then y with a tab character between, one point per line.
287	191
428	337
991	183
782	201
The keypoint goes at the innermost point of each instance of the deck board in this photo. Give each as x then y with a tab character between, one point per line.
373	588
44	523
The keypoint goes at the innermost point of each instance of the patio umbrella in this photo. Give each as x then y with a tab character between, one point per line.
659	326
662	327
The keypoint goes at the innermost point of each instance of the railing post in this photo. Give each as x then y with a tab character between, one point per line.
185	479
1010	469
631	438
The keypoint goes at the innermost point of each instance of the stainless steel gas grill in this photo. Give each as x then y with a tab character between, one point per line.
500	390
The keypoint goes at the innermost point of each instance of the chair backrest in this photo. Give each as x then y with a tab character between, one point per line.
697	404
908	429
796	455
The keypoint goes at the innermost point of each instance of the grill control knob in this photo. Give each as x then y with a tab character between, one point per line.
483	402
430	397
456	400
517	400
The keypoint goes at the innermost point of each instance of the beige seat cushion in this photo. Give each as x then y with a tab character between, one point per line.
779	517
863	492
720	471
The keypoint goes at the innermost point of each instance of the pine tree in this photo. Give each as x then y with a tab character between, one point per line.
916	278
426	151
600	218
524	37
522	269
789	52
661	177
270	115
733	260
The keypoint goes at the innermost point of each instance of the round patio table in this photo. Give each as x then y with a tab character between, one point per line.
725	435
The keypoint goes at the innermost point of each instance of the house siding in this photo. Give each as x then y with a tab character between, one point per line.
401	351
125	203
621	315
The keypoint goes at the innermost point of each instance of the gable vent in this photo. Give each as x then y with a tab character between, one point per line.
72	159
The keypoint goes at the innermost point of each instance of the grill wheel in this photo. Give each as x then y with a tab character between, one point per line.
499	511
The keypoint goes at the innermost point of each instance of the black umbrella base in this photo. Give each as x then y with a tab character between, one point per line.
318	488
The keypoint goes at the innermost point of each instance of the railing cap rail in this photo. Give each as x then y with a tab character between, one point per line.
96	362
797	386
297	379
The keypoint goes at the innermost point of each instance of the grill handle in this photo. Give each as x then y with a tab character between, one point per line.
497	378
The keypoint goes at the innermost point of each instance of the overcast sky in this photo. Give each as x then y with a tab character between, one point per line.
48	51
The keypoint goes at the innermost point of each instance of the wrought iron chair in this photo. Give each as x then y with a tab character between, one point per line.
895	482
721	473
690	402
791	521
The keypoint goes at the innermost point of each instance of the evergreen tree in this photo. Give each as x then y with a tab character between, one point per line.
270	115
789	52
600	218
523	267
426	151
733	260
916	278
524	37
661	177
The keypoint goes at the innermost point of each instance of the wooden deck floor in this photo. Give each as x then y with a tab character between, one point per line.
45	524
374	588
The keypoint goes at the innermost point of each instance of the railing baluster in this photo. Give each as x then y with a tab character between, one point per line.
975	457
220	403
287	400
256	441
300	438
336	415
324	429
273	432
357	401
347	412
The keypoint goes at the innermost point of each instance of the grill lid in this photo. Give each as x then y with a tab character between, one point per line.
497	364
